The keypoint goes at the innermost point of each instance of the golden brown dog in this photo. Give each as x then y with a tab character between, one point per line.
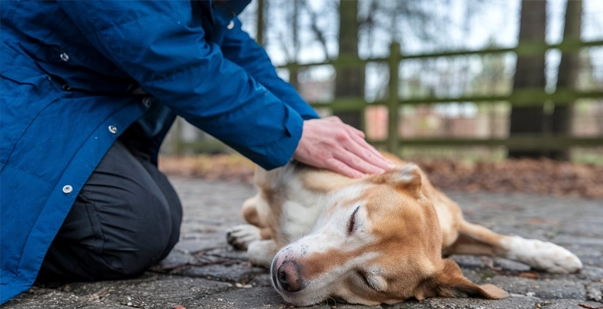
378	239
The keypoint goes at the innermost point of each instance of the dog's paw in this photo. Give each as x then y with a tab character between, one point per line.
542	255
240	236
261	252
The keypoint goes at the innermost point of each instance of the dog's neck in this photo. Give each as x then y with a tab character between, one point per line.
308	194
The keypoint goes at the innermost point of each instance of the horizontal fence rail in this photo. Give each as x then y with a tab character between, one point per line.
529	142
519	97
523	97
523	49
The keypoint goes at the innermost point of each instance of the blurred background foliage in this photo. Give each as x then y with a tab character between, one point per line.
475	80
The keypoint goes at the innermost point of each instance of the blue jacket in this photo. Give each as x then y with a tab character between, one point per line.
68	69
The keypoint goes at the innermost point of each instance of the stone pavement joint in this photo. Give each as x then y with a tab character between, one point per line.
204	272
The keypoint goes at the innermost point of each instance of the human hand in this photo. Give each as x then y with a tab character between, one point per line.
329	143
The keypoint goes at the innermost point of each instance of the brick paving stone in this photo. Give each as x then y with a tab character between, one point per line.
239	272
594	291
248	298
568	304
545	289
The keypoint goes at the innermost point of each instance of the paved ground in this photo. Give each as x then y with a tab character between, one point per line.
203	272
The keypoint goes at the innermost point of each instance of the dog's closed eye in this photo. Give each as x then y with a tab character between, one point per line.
352	222
373	282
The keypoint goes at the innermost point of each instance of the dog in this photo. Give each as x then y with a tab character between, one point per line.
375	240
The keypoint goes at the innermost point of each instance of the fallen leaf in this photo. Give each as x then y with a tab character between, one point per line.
529	275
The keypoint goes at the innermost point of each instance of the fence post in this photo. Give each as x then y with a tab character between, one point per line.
293	76
178	143
259	31
392	102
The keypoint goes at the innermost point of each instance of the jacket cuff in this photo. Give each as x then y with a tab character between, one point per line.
281	152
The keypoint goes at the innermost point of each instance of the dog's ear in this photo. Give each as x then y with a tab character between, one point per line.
450	282
407	178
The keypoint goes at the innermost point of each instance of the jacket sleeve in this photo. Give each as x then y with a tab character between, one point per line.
244	51
162	45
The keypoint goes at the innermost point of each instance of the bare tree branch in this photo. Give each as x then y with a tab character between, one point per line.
315	29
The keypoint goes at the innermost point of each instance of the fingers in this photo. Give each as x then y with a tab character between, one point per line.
357	163
342	168
330	143
359	158
352	130
371	151
368	153
358	132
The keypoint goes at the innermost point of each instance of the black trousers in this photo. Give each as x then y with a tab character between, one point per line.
126	218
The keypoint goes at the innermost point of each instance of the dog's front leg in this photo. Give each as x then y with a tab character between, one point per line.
261	252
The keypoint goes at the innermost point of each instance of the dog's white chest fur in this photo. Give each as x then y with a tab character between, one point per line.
301	210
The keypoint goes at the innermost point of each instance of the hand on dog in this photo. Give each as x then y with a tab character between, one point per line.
329	143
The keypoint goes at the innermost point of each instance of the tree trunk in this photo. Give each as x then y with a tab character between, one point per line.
349	81
561	118
529	73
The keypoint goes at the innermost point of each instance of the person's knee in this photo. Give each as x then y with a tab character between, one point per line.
129	263
138	230
122	223
146	239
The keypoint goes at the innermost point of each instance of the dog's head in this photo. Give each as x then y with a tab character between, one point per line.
378	241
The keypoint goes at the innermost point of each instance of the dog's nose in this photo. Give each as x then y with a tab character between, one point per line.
288	276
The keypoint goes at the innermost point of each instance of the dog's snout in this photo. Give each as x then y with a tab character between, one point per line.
289	277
